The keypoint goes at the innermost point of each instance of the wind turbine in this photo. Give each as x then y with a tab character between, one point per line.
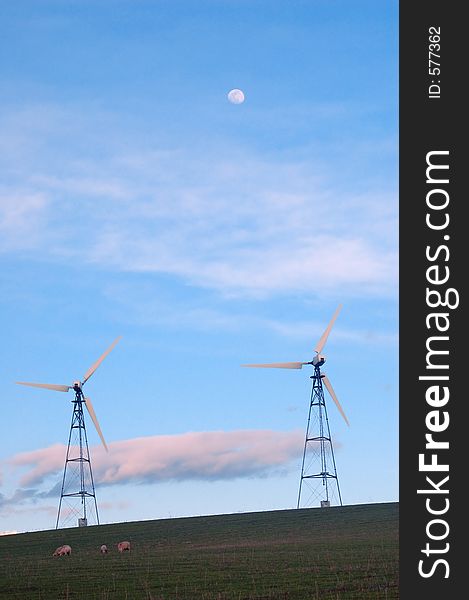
77	481
318	467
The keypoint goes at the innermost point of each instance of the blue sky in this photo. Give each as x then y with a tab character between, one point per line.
135	200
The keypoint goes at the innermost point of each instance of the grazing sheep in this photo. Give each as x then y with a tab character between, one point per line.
123	546
64	550
103	549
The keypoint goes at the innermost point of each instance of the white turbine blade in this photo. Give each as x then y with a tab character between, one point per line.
288	365
322	342
328	385
90	408
47	386
93	367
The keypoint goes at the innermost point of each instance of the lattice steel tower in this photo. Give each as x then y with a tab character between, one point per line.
77	495
318	469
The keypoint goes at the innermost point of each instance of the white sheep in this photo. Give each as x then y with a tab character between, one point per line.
103	549
123	546
64	550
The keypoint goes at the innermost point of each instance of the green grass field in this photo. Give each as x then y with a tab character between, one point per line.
332	553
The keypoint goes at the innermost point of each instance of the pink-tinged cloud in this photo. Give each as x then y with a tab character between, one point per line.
210	455
39	463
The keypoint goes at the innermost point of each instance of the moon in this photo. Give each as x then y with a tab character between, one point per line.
236	96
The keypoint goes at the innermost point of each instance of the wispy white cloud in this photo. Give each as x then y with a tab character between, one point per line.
175	313
226	220
22	219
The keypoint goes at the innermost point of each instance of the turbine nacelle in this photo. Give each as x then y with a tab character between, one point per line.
318	360
77	386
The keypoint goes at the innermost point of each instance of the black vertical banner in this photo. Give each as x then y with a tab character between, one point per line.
433	254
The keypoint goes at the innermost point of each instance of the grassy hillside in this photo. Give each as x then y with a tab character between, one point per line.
348	552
